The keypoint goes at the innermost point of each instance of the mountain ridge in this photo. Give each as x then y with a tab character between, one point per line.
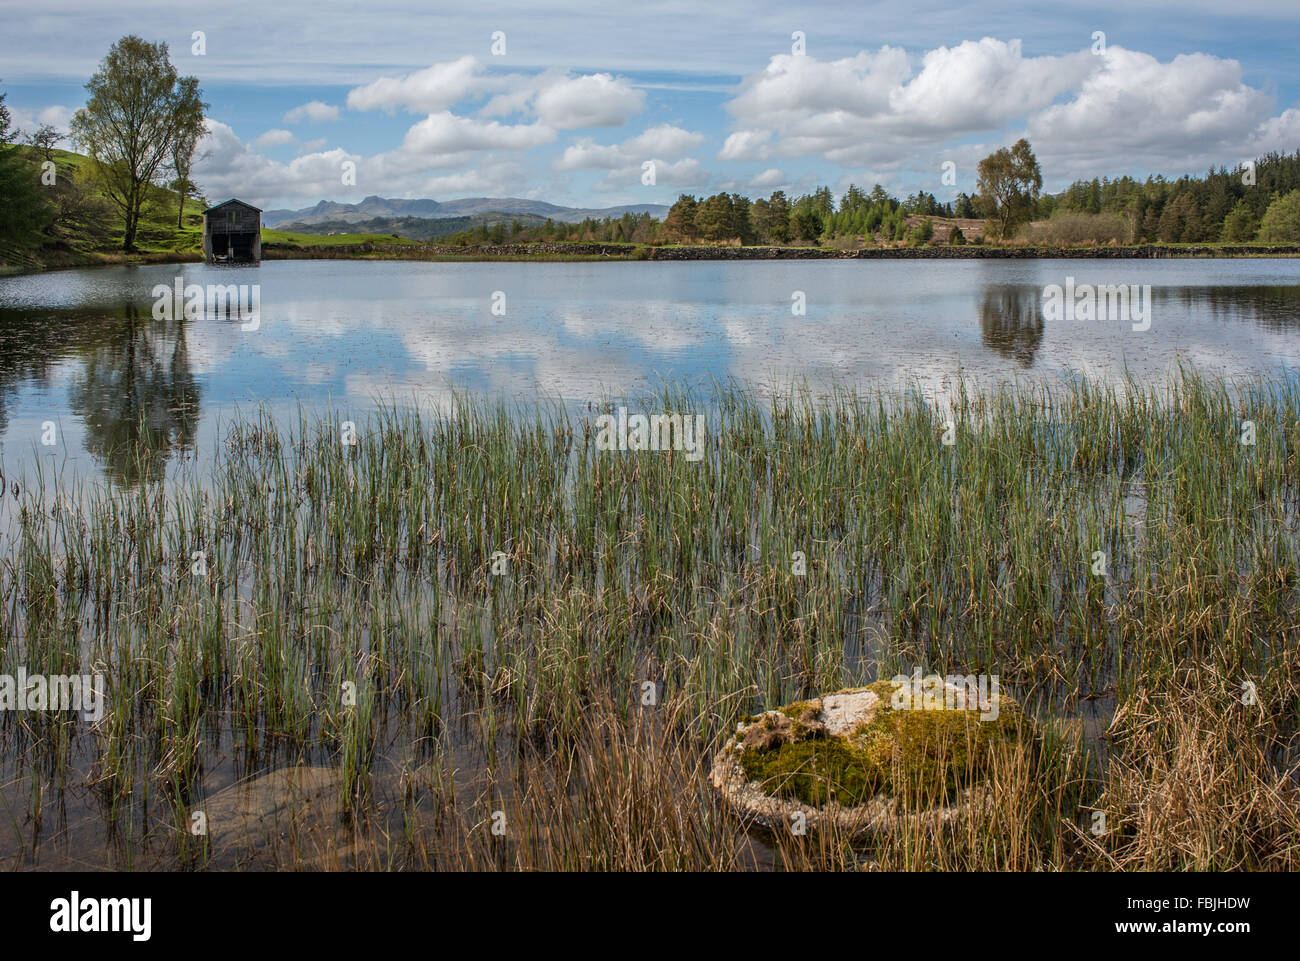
374	206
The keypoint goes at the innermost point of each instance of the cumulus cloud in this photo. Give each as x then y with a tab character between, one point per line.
595	100
443	136
58	117
873	106
772	177
1192	111
274	138
624	162
555	98
1079	110
660	142
314	111
430	90
229	168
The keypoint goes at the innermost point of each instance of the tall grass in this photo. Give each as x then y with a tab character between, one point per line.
349	618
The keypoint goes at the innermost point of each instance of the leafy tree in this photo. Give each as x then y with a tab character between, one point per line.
713	219
922	233
1241	225
44	140
1281	223
138	108
190	130
680	222
1009	183
805	223
772	220
24	212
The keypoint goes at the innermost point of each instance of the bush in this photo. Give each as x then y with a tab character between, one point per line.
921	233
1281	223
1072	227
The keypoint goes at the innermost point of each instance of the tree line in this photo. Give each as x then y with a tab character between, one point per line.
140	129
1256	202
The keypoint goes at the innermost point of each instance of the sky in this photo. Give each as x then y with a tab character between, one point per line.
594	104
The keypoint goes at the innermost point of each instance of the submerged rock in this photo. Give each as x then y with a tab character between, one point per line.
261	811
866	759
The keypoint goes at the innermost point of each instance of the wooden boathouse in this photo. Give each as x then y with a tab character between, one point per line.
232	233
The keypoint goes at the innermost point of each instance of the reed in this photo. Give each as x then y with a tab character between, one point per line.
474	610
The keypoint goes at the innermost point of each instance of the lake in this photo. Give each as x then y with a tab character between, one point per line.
83	349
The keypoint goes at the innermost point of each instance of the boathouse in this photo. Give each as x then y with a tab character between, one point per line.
232	233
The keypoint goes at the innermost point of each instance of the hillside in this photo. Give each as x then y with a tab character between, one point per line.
83	227
505	209
411	228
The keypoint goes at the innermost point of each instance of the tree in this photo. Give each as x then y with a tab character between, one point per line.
138	108
772	219
680	222
1281	223
714	218
1180	222
1009	183
44	140
1241	225
190	130
23	211
921	233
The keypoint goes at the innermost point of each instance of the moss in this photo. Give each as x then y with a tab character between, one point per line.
932	753
815	772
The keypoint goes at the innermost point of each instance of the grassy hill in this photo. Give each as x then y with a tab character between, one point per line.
415	228
85	228
304	239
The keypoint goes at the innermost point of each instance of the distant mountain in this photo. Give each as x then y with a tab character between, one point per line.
412	228
329	211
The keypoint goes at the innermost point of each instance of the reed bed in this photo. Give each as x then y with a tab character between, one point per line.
507	649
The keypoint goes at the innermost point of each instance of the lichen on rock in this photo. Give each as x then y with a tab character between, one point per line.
853	755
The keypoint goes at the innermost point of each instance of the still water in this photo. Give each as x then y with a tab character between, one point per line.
83	349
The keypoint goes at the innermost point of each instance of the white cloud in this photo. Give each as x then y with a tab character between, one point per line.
1081	112
444	134
228	168
624	162
274	138
314	110
556	98
495	179
432	89
873	107
1188	113
595	100
662	141
772	177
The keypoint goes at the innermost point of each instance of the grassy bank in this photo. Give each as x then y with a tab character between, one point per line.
379	249
475	619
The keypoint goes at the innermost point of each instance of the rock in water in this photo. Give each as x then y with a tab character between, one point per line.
253	814
867	759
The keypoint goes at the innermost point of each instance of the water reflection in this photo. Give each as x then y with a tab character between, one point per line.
137	395
1273	306
1011	321
81	347
128	377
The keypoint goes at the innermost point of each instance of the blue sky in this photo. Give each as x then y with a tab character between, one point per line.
586	94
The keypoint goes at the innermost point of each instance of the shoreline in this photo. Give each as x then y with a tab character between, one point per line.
629	252
600	252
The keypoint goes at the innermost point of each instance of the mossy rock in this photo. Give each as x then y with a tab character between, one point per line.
867	758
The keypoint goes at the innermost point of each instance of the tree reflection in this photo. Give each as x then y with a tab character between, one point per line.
137	396
1011	321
